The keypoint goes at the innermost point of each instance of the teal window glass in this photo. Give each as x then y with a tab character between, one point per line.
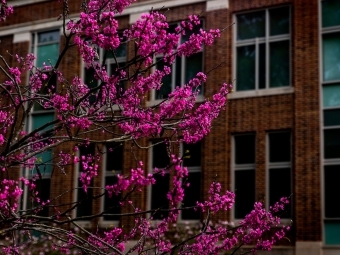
331	56
279	64
43	164
332	232
279	21
331	117
193	65
330	13
245	66
251	25
47	48
331	143
41	119
331	95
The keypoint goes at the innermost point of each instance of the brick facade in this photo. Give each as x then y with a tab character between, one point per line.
296	111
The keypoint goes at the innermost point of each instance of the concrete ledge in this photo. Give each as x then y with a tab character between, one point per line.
308	248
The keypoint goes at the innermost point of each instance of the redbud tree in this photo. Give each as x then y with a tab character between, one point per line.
122	114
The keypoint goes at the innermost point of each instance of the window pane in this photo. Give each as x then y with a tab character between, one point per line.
244	149
331	95
331	117
85	200
178	72
279	147
192	194
262	66
193	65
166	86
50	36
331	56
245	74
279	64
47	53
44	164
332	232
158	195
245	192
114	157
111	205
279	21
84	208
280	186
122	84
43	187
251	25
160	158
332	143
188	33
46	89
192	154
332	191
330	13
38	120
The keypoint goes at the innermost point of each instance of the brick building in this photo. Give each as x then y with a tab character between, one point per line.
280	132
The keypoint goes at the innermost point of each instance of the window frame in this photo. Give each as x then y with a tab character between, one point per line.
33	47
266	40
326	161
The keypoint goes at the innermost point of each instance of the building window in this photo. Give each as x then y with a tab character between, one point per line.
113	61
192	193
331	118
182	70
45	46
279	169
112	167
84	199
244	174
263	49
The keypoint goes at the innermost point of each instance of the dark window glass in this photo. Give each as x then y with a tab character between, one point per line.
84	208
251	25
330	13
43	187
111	205
280	186
245	192
160	158
279	21
279	64
244	149
158	196
48	88
166	86
331	117
192	154
192	194
332	191
188	33
114	157
178	72
121	86
332	143
279	147
262	66
245	74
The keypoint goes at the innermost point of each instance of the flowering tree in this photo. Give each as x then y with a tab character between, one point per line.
82	110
